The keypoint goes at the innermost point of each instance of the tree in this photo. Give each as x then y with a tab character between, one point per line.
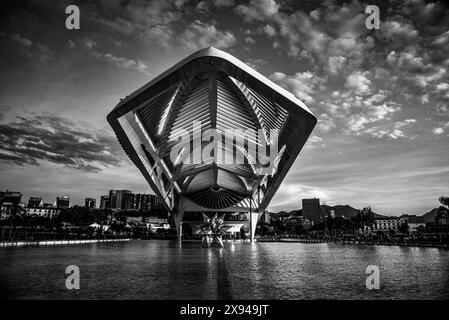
444	201
403	228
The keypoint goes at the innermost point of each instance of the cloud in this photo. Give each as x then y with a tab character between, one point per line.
442	87
326	122
269	30
250	40
258	10
336	64
163	22
223	3
121	62
32	139
71	44
438	131
357	122
23	41
441	39
314	141
358	81
199	35
31	49
286	197
89	44
396	132
398	30
302	84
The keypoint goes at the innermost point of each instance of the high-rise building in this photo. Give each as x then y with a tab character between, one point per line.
120	199
128	201
311	210
62	202
11	197
142	202
90	203
113	199
155	202
104	202
35	202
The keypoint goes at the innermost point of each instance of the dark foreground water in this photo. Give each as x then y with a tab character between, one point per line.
169	270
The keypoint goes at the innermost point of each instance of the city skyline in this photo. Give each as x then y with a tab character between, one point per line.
381	98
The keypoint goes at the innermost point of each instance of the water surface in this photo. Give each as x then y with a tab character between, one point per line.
169	270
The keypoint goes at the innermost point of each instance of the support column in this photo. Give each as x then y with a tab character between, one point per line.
254	217
177	216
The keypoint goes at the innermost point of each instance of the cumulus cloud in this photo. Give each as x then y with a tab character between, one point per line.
122	62
398	30
358	81
336	64
32	139
357	122
161	22
88	43
394	132
223	3
302	84
22	40
199	35
326	122
269	30
438	131
31	49
441	39
258	9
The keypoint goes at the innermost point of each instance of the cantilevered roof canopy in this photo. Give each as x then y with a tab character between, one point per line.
221	93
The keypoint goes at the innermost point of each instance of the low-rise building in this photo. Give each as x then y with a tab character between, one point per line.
6	210
387	223
43	212
12	197
265	218
413	222
35	202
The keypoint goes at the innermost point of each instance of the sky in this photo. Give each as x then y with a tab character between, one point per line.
381	96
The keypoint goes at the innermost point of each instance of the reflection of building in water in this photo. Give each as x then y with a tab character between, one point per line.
224	95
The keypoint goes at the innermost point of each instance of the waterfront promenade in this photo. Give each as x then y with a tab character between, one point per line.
56	242
441	245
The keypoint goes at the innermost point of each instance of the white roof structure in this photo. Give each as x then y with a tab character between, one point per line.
221	93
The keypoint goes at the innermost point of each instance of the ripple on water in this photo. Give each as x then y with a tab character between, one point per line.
169	270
